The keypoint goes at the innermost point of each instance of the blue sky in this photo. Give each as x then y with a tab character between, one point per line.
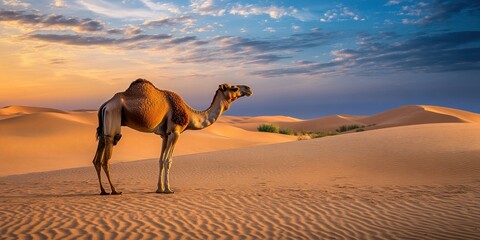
302	58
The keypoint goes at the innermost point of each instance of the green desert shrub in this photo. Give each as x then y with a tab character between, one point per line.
322	134
268	128
345	128
286	131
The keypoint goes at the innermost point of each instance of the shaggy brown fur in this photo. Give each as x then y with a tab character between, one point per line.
179	108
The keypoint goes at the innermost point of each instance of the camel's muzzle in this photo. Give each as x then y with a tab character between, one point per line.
246	91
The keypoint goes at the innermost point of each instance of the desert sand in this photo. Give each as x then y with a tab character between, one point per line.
414	174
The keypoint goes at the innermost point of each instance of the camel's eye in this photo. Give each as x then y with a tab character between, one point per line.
234	89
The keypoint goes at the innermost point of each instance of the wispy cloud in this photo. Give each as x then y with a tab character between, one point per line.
128	31
453	52
170	21
341	13
434	11
118	11
137	41
272	11
208	28
161	7
269	29
238	50
206	7
51	20
16	3
393	2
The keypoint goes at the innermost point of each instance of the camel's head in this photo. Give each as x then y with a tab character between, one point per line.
233	92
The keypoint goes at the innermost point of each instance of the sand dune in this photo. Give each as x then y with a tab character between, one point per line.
402	116
50	139
14	110
411	115
465	116
42	139
415	174
409	182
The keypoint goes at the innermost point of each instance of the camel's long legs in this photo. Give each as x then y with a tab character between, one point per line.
106	163
97	162
160	188
167	162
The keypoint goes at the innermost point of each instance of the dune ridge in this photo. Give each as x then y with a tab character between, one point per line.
15	110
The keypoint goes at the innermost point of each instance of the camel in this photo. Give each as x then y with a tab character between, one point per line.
145	108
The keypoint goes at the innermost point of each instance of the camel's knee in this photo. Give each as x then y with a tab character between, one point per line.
167	163
96	162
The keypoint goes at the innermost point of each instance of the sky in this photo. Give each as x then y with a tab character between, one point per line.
301	58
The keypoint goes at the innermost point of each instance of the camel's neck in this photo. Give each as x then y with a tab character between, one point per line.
203	119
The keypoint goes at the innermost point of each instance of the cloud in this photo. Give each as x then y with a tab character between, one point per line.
434	11
266	58
128	31
206	7
52	20
340	13
181	40
15	3
59	3
208	28
117	11
82	40
162	7
239	50
140	41
393	2
170	21
269	29
273	11
443	52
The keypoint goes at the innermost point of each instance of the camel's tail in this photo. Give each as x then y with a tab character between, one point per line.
100	132
101	111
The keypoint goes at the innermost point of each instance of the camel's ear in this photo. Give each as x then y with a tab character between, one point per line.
224	86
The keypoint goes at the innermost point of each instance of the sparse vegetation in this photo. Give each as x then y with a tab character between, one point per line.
268	128
305	135
323	134
275	129
312	135
346	128
286	131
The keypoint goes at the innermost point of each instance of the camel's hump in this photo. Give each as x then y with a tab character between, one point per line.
139	84
148	98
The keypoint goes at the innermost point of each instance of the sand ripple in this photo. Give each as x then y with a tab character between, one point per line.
338	212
